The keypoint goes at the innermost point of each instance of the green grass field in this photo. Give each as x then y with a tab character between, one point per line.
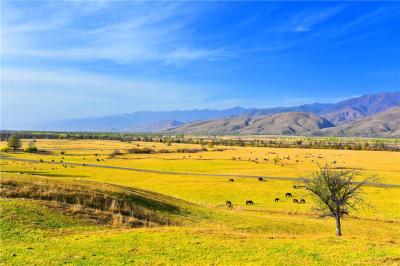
203	231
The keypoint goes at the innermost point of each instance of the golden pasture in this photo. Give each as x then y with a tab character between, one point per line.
266	233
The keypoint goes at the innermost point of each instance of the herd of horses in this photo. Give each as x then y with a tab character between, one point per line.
261	179
289	195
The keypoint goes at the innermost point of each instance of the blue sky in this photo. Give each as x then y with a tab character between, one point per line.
88	58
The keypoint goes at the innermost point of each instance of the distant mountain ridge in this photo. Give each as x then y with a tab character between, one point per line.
139	121
301	120
289	123
383	124
356	108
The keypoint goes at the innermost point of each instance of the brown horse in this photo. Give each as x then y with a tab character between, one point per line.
276	199
249	202
288	195
295	201
229	204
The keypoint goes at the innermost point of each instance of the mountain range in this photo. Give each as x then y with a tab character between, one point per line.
371	115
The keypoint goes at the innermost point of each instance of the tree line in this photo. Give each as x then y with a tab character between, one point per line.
271	142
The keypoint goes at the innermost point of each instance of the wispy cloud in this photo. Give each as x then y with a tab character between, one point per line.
309	19
79	58
144	34
371	17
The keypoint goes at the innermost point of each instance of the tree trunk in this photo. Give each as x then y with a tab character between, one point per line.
338	226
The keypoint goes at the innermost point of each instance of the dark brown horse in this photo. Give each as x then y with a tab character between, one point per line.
249	202
229	204
295	201
288	195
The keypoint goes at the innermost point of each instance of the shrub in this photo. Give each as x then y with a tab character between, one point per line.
188	150
140	151
165	151
276	160
5	149
31	149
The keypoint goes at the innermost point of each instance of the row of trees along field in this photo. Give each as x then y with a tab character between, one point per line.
373	144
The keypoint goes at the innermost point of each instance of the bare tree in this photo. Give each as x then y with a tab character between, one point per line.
336	192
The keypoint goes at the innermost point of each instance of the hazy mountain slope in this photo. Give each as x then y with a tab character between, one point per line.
146	121
291	123
138	121
359	107
344	115
157	126
153	121
384	124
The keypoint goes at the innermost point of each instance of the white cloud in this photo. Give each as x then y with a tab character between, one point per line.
309	19
300	28
144	34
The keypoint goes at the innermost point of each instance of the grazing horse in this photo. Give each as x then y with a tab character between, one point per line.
276	199
249	202
260	179
229	204
302	201
231	180
295	201
288	195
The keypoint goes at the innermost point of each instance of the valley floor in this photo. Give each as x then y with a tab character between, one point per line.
202	230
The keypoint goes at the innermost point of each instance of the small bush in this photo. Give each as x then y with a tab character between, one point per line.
31	149
165	151
140	151
5	149
187	150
